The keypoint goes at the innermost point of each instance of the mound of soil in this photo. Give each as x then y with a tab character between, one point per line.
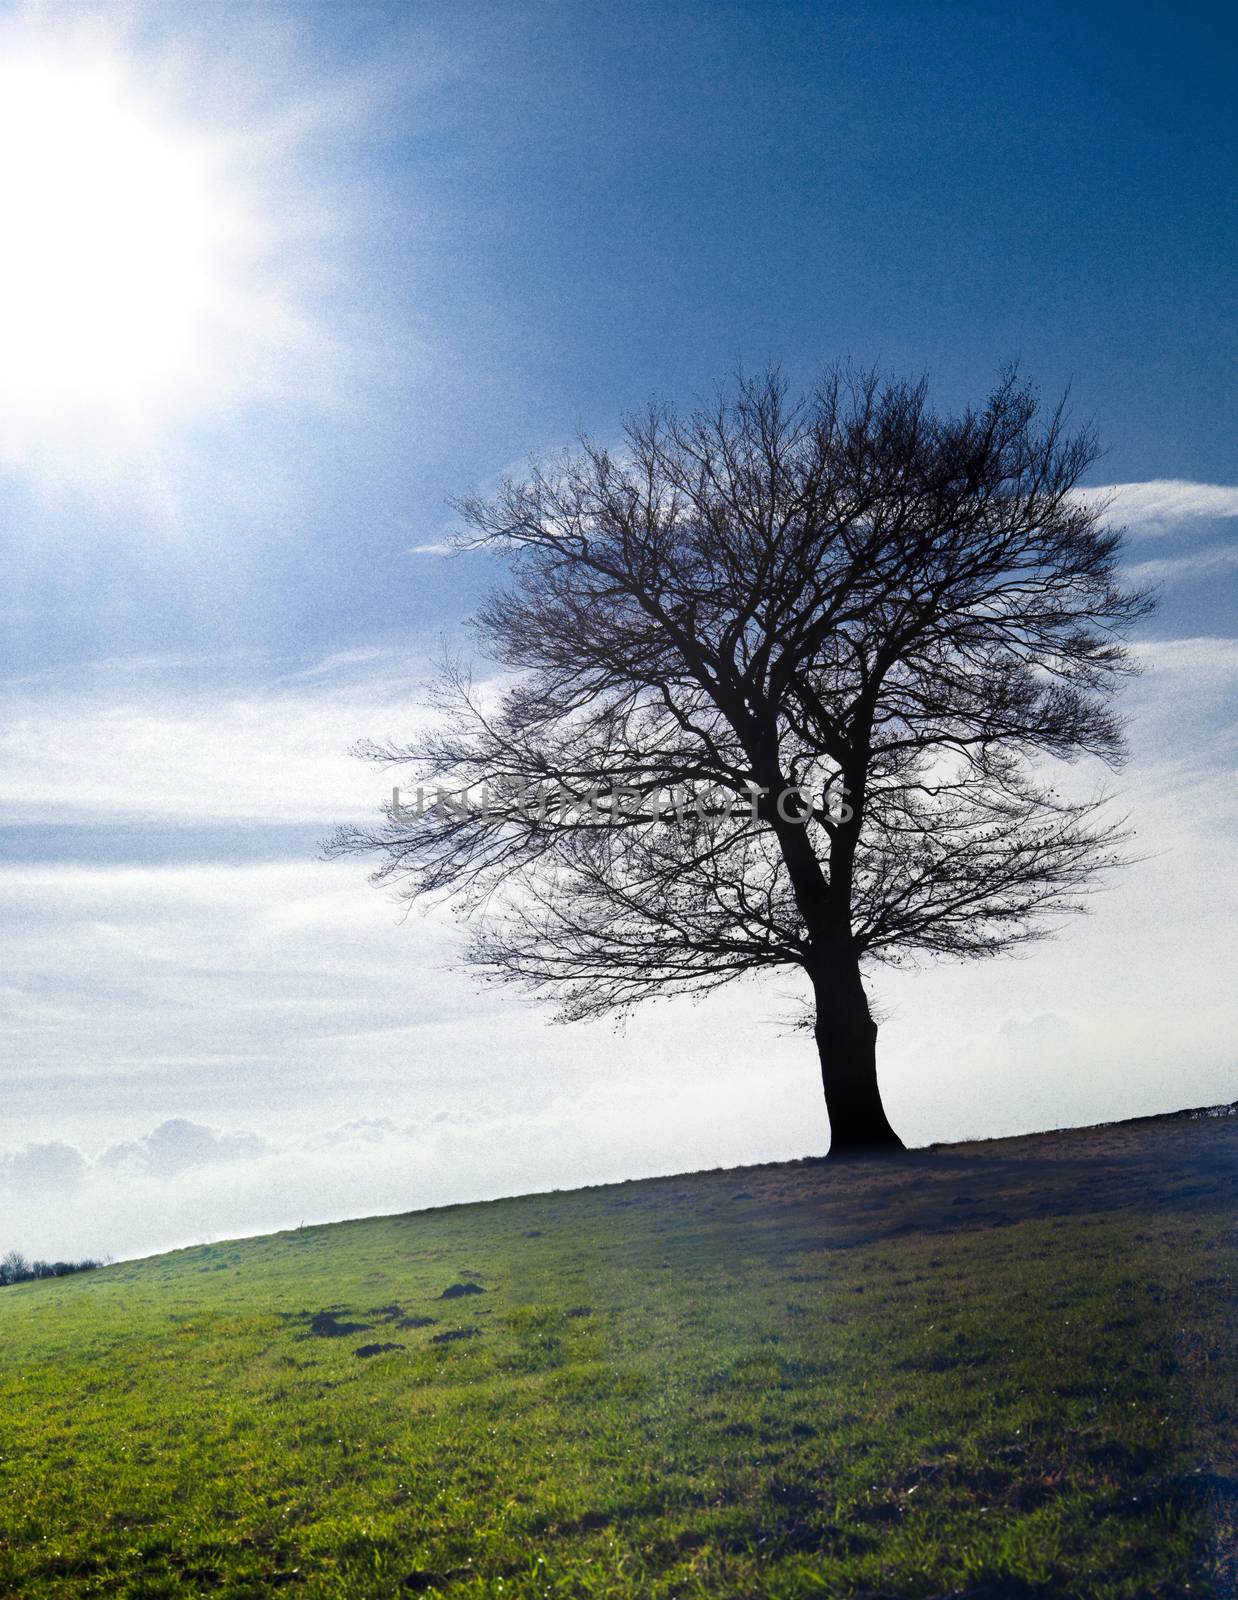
327	1325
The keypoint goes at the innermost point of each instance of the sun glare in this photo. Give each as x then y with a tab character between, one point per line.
136	291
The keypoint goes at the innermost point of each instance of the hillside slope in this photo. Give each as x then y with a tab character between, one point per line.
998	1369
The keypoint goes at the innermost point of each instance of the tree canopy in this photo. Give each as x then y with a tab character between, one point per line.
774	684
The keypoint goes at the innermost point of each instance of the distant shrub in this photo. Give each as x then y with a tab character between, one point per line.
14	1268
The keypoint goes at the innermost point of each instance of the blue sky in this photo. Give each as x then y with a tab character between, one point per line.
462	234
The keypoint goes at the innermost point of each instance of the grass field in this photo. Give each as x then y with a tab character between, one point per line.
995	1370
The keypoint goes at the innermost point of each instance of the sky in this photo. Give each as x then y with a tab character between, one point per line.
282	279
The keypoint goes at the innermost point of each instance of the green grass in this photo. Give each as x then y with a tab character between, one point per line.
1002	1370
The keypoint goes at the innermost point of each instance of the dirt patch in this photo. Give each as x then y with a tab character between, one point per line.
397	1317
375	1349
453	1334
327	1325
456	1290
419	1582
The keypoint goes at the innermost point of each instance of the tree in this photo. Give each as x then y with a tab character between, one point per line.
14	1268
779	683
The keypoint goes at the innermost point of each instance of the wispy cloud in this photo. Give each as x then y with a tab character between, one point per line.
436	549
1176	569
341	661
147	742
1206	660
1163	503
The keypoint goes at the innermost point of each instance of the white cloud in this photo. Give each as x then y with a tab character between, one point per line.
1174	569
557	1133
1163	503
431	550
178	1144
1184	700
1033	1033
1208	657
340	661
149	741
50	1165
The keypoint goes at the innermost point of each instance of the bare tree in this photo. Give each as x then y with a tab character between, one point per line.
778	682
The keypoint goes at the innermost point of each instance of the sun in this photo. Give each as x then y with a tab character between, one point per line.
139	277
116	237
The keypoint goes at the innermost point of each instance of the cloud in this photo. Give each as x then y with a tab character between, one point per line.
51	1165
361	1130
1172	569
340	661
1202	668
1163	503
159	741
431	550
118	1206
1033	1033
176	1145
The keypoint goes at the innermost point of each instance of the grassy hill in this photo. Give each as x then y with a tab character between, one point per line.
997	1369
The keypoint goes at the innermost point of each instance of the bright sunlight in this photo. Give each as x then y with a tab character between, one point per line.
137	292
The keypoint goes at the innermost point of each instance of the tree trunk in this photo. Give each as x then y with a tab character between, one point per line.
847	1043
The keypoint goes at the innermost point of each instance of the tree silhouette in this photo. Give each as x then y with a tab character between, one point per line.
777	682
